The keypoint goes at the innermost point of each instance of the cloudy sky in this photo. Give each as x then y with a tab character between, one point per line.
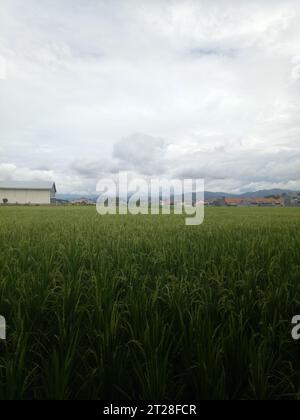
174	88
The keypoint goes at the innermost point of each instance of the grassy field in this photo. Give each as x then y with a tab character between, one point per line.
123	307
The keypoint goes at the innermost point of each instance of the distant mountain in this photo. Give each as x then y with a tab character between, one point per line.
209	195
254	194
266	193
72	197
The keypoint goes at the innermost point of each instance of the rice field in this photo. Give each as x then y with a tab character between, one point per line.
143	307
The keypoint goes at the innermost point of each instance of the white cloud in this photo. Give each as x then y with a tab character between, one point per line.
11	171
217	80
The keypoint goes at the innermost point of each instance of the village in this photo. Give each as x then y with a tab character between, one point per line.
286	200
41	193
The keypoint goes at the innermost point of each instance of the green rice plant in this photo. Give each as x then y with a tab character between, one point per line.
143	307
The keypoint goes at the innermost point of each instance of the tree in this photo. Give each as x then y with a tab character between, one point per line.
5	200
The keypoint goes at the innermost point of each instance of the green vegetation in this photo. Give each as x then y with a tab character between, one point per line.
119	307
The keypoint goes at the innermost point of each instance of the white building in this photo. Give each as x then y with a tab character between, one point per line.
27	192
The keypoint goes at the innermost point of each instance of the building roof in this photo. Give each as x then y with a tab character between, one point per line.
237	201
234	200
31	185
265	200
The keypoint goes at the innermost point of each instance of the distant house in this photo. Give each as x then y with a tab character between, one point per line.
266	202
230	202
292	200
244	202
234	202
27	192
82	202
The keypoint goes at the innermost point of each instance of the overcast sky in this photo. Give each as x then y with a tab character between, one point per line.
177	88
